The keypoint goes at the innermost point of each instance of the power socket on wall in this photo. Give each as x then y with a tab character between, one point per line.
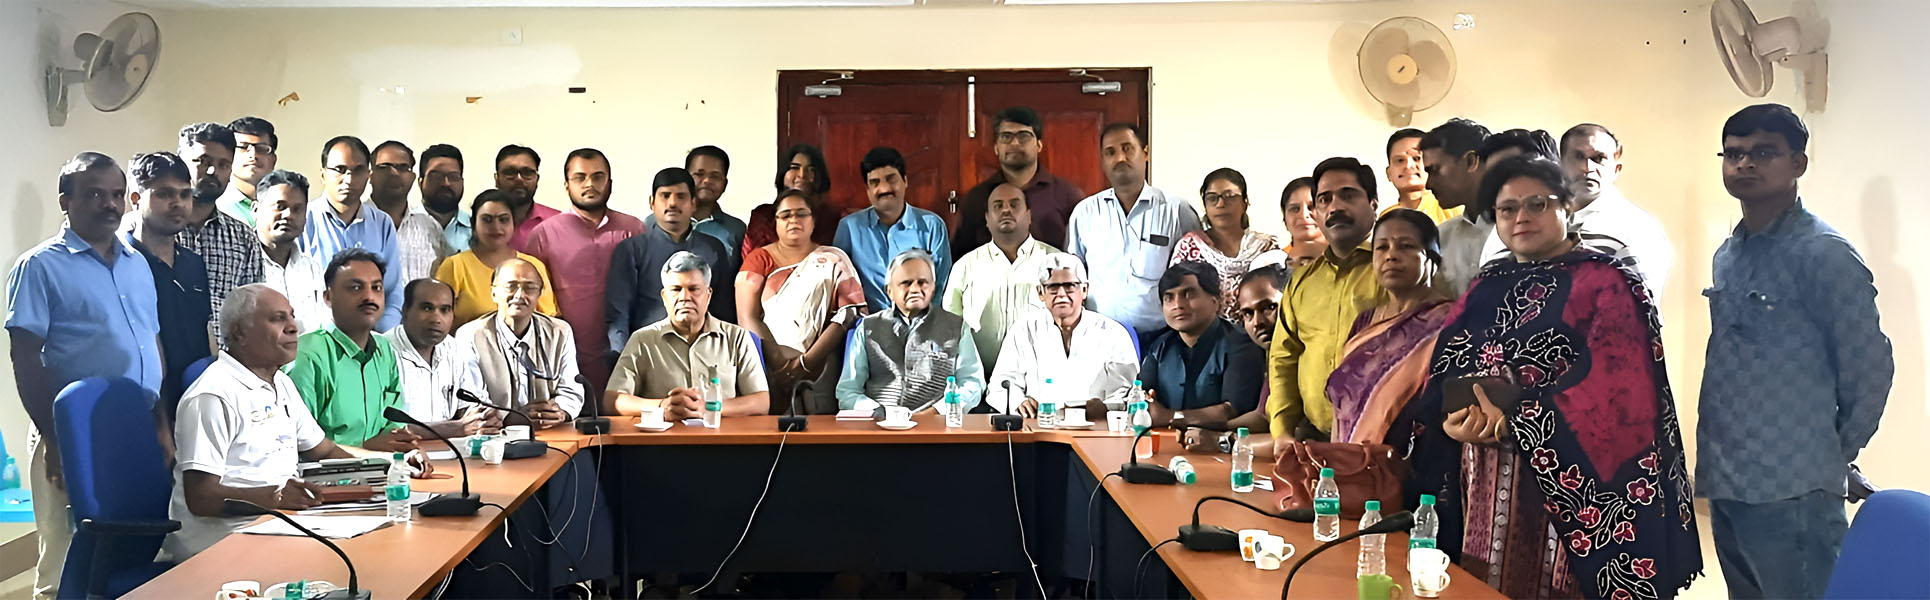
512	36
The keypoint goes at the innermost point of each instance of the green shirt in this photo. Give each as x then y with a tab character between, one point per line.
237	205
346	387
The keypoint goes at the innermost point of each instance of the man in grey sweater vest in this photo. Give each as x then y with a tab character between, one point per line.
903	354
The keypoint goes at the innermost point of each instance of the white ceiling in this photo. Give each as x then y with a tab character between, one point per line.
221	4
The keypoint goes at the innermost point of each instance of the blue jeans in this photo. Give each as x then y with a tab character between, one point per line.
1780	549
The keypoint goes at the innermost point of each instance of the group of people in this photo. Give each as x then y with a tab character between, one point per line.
1495	323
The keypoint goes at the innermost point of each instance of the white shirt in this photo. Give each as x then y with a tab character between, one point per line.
429	390
992	292
419	241
1126	254
1102	362
249	432
1462	238
569	393
1619	228
301	282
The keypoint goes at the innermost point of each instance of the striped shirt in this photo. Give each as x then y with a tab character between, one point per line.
369	229
1126	254
419	239
992	293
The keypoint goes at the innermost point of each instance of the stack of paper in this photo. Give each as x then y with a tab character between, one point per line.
856	414
338	527
376	503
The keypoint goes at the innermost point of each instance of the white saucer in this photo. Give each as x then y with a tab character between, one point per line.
655	427
898	426
1064	424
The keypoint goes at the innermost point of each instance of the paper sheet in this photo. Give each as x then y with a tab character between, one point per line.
332	527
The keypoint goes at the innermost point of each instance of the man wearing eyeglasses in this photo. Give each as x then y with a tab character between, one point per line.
517	175
1322	301
1086	354
254	159
1798	371
441	183
225	243
995	285
418	238
526	360
344	220
1018	139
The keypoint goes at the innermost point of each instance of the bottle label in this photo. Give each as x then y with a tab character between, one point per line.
1242	479
714	405
1326	506
1419	543
398	492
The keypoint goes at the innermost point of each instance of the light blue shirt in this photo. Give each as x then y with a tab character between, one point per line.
97	321
1126	254
459	232
372	230
872	245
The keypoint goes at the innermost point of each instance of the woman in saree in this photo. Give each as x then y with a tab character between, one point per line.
1571	442
799	297
1385	361
1229	243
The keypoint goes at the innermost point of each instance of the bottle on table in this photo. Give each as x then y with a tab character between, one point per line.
1373	548
1242	461
397	490
1182	470
1142	420
714	403
954	409
1048	407
1326	507
1426	524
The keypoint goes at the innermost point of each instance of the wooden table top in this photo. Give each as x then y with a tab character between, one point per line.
406	561
822	429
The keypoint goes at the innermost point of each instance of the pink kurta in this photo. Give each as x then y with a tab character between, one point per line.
578	252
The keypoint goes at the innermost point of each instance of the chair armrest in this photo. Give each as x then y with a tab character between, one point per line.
129	527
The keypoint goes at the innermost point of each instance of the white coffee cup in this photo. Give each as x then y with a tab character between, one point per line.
492	451
650	415
897	414
239	590
1115	420
1427	570
517	432
1074	415
1250	543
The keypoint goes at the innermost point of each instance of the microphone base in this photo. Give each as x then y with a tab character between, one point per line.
452	505
343	594
524	449
1004	422
792	423
1208	538
1146	473
593	425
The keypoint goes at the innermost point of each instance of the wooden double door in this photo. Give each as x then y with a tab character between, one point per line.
942	122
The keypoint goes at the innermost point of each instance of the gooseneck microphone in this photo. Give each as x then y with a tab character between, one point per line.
512	449
1134	472
791	421
243	508
1005	420
460	505
593	422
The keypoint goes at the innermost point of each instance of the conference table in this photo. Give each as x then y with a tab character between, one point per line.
843	496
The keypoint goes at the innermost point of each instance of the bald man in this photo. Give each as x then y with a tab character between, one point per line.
995	284
525	360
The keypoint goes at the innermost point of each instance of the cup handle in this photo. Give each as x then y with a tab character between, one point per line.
1397	593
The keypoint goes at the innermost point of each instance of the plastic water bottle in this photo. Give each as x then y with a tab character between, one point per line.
714	404
1182	470
1426	524
1049	407
1242	461
397	490
1373	548
1326	508
954	409
10	478
1142	420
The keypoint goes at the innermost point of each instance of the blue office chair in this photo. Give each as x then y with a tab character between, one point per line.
194	372
118	485
1134	334
1886	549
759	343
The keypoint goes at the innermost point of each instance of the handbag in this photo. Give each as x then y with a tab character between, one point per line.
1362	471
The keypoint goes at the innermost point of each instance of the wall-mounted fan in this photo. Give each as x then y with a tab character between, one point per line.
1407	64
115	66
1750	49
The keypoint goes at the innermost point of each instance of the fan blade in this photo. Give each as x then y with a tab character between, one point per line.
1382	45
1437	73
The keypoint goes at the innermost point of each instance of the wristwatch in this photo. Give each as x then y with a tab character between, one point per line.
1178	415
1226	442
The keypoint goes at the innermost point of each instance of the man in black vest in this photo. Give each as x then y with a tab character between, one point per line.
903	354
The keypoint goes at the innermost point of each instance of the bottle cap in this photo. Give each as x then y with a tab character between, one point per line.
1241	432
1048	381
1427	500
951	379
713	381
1136	383
1373	505
399	457
1326	472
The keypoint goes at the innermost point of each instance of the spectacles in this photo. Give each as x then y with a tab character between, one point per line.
397	168
581	178
443	177
793	214
345	171
512	287
260	149
523	174
1533	206
1061	287
1023	137
1212	199
1735	157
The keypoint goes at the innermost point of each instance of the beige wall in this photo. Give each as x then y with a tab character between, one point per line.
1267	89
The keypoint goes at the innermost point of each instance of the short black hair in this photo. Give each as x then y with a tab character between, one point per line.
409	290
1772	118
1539	168
146	168
1175	276
392	144
710	151
488	196
208	133
1586	129
255	126
673	176
439	151
1021	115
1227	173
283	177
817	162
1403	134
1430	233
82	163
1456	138
586	154
349	255
1361	172
354	143
1286	195
1531	143
513	150
879	158
1273	275
1138	133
